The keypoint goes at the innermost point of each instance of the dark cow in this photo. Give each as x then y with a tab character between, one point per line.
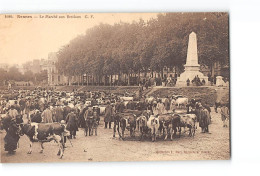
142	125
176	120
45	132
188	120
135	112
124	121
166	125
36	117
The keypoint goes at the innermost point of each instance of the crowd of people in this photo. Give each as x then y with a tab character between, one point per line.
74	108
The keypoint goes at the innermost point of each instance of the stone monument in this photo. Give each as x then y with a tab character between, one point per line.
192	67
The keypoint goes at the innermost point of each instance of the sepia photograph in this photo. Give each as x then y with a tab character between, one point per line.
102	87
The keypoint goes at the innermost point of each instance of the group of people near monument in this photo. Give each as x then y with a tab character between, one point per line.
196	81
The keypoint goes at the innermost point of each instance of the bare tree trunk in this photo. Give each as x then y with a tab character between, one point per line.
119	79
138	78
128	82
110	80
97	80
213	69
125	77
87	79
162	72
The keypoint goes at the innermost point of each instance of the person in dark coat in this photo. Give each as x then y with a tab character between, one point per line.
58	114
108	115
66	110
204	119
167	104
12	136
22	105
47	115
188	82
81	119
72	126
36	117
17	107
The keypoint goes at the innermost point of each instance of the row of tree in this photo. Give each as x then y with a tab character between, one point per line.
124	48
14	75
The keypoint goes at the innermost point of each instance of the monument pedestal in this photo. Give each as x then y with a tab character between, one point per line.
190	73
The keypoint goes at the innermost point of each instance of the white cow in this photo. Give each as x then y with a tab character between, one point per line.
87	103
10	103
153	124
181	102
102	110
127	98
149	100
189	121
125	103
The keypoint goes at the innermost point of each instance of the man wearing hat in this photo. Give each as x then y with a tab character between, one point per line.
47	115
12	137
72	126
58	114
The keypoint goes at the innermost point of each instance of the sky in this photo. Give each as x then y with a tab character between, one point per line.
26	39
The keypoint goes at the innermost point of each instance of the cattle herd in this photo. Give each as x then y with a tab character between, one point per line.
45	115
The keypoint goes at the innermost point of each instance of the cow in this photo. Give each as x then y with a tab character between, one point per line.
45	132
149	99
153	124
188	120
142	125
165	121
181	102
127	98
124	121
88	103
176	120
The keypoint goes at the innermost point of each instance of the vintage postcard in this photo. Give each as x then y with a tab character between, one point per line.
114	87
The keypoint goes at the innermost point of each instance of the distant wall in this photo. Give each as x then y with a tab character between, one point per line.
207	95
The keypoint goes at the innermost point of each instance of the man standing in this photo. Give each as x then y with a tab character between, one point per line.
108	115
66	110
72	126
224	115
167	104
58	114
12	137
47	116
160	107
22	105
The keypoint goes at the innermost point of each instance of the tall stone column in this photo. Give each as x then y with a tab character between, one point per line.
192	67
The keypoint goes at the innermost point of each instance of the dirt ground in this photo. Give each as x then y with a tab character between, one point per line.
103	147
